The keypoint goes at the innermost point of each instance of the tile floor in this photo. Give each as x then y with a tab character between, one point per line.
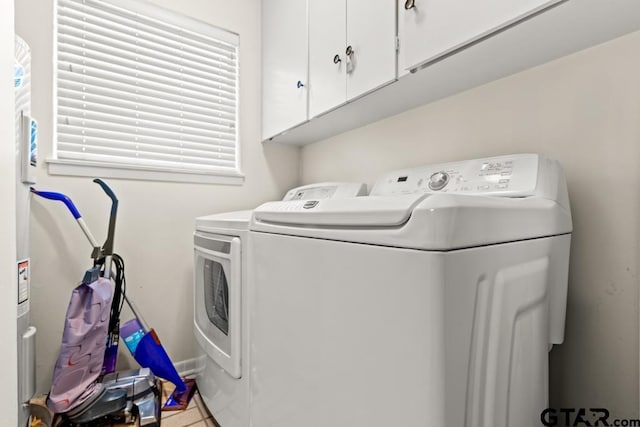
196	414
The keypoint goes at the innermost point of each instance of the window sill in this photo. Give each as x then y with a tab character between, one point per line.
95	169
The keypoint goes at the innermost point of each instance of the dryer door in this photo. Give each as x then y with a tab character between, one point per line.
217	297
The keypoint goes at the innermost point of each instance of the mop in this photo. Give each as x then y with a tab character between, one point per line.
142	341
145	346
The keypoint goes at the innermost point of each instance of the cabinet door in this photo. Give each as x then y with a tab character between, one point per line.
327	64
371	33
284	65
432	28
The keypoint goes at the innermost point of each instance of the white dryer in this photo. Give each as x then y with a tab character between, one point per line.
432	302
221	292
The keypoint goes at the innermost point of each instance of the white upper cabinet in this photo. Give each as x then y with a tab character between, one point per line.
371	32
449	45
284	65
352	50
327	62
432	28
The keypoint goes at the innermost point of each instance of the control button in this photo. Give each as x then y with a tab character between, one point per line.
438	180
310	204
503	181
484	187
502	186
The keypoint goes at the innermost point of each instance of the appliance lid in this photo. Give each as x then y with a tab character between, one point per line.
369	211
437	207
238	220
428	222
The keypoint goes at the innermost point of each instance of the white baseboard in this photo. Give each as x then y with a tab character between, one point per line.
186	367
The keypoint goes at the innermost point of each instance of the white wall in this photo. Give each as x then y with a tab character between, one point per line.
155	221
583	110
8	268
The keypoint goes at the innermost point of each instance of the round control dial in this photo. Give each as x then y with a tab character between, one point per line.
438	180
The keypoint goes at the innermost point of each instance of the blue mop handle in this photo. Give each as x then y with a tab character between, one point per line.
51	195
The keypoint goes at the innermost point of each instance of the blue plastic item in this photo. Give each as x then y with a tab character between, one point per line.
51	195
150	354
146	348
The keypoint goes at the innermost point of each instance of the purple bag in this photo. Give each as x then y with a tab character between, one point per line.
83	345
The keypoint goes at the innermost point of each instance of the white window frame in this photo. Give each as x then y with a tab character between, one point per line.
82	167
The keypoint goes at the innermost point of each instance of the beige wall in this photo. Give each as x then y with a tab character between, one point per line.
155	219
583	110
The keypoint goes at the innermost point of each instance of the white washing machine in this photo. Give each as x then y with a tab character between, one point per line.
221	292
431	303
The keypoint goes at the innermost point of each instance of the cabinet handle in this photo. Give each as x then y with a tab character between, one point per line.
299	84
409	4
336	59
349	51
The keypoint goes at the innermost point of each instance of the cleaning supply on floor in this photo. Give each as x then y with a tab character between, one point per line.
75	378
85	389
131	333
150	353
145	346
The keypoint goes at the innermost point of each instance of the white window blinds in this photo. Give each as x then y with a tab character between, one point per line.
145	87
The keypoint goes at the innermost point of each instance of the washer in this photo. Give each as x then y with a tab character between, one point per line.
221	291
432	302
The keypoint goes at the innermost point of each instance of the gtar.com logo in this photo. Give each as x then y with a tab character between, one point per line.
583	417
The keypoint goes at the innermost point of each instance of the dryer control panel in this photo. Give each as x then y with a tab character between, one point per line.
508	176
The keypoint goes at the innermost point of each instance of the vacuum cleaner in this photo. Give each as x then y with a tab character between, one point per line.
86	390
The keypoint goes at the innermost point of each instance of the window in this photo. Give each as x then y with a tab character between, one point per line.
143	89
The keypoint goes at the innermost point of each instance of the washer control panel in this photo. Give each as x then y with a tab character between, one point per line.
508	176
438	180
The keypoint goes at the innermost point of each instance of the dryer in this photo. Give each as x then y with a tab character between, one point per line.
432	302
221	314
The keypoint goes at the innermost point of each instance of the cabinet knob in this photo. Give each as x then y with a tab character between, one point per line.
409	4
336	59
349	51
299	84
